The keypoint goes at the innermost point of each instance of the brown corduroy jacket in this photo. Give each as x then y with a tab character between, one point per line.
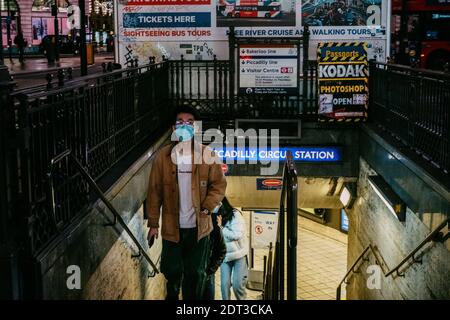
208	189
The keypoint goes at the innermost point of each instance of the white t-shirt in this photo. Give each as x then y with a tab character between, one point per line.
187	211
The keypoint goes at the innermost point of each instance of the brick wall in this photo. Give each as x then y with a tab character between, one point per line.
371	222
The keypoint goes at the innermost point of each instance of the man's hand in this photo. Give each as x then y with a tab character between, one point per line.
205	212
152	232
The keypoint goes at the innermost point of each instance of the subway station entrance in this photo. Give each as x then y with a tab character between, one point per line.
353	190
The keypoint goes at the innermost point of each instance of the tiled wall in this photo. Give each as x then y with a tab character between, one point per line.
371	222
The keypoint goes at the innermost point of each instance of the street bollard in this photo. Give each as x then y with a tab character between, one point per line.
49	78
60	76
69	73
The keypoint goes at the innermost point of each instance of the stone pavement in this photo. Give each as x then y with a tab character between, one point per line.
37	65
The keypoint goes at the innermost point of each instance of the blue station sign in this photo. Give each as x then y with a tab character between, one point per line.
300	154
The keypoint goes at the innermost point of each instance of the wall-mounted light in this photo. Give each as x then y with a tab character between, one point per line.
348	194
392	201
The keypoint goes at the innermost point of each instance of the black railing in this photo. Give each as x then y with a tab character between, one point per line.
203	83
100	118
274	282
414	106
117	218
413	257
206	85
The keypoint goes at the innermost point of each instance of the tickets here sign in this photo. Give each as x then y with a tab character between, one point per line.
264	229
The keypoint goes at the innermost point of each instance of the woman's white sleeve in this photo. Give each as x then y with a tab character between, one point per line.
235	229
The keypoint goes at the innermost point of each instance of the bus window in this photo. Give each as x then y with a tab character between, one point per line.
437	26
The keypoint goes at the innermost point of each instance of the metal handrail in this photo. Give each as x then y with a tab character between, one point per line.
41	89
274	281
435	235
99	192
400	67
292	223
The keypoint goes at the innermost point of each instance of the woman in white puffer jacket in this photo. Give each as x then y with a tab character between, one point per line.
234	269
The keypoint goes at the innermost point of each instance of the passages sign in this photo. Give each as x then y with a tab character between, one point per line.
343	81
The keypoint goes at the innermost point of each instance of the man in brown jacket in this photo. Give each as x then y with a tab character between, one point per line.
186	179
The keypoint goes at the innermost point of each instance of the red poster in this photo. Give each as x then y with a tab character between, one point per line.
167	2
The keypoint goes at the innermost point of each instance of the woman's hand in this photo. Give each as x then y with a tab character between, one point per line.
219	220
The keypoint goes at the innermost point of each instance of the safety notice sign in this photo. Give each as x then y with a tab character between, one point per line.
264	226
268	69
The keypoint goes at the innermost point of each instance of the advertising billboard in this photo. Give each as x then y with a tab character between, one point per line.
255	13
197	29
343	81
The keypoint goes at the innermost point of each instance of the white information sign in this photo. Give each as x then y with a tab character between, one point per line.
264	229
270	69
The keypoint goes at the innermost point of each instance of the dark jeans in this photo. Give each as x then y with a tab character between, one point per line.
184	264
210	288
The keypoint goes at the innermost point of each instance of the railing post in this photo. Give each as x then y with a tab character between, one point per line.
413	107
280	255
386	75
371	111
137	78
445	145
9	255
338	293
214	75
181	74
292	224
305	68
231	78
112	105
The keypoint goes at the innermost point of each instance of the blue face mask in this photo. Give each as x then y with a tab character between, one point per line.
184	132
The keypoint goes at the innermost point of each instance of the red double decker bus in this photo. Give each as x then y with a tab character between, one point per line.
421	32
